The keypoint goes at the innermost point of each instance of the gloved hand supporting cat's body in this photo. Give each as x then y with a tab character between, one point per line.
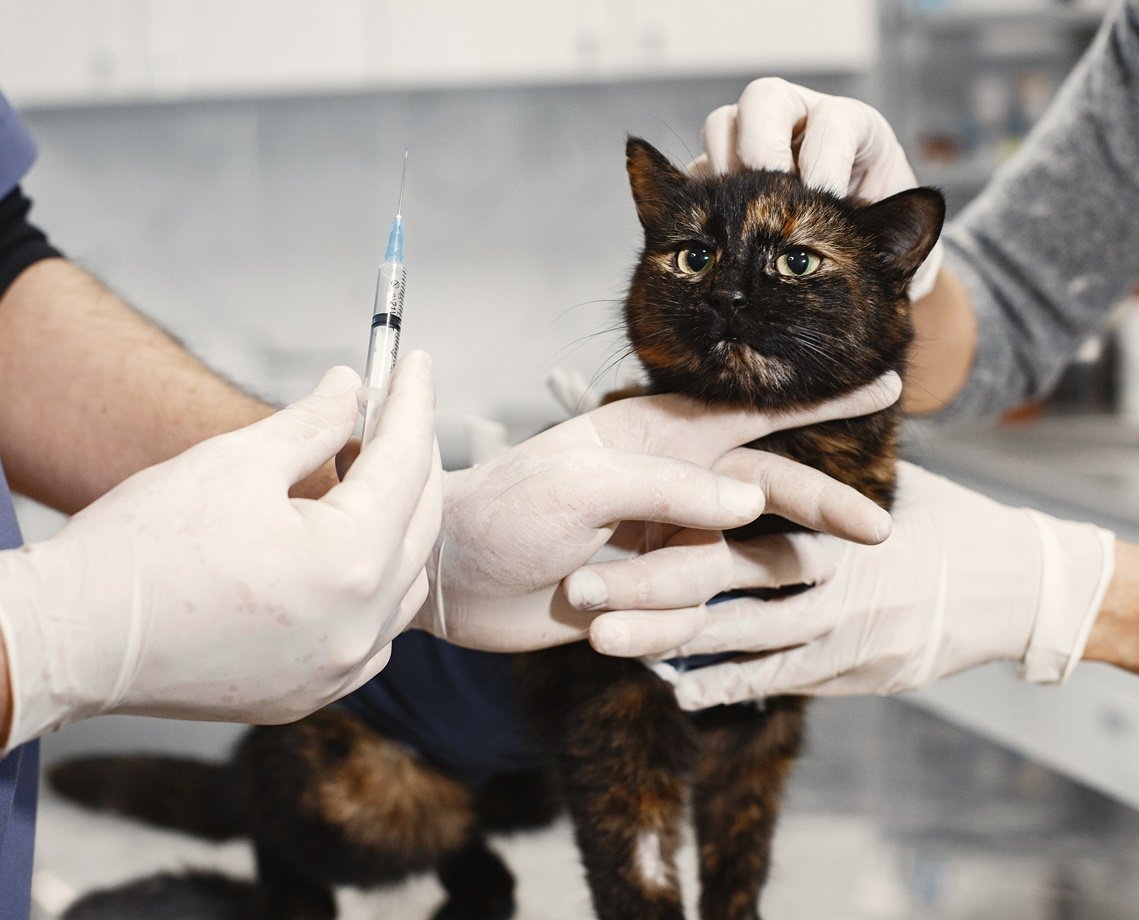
515	526
961	581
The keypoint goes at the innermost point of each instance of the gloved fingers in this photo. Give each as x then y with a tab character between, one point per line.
674	576
697	565
720	147
772	116
646	487
376	658
844	141
779	560
369	669
689	430
385	485
875	396
832	140
423	529
299	439
637	633
411	603
796	672
749	624
807	496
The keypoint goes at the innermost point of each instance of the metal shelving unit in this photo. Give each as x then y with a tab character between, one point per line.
962	83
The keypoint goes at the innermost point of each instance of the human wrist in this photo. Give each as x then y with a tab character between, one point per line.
56	644
1077	566
6	697
1114	636
23	619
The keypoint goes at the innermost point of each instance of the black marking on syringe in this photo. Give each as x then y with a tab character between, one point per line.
391	320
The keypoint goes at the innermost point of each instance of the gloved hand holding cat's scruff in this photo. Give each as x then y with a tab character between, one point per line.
961	581
831	142
515	526
198	589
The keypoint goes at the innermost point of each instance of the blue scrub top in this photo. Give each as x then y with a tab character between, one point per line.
19	771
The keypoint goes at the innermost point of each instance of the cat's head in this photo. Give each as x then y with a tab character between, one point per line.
754	289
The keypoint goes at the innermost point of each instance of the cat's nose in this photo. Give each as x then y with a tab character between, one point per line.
728	302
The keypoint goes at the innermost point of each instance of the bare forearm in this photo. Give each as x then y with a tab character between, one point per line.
95	392
1114	638
945	341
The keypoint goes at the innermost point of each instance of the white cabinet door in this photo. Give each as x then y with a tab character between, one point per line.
211	47
491	41
60	51
750	36
71	50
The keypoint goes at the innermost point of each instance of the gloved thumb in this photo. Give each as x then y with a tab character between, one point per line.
298	439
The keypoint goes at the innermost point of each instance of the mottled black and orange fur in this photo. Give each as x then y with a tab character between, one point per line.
738	334
328	801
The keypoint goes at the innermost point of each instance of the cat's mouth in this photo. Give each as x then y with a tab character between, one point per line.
748	368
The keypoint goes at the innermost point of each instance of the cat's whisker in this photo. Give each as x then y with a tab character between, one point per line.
609	366
576	344
610	301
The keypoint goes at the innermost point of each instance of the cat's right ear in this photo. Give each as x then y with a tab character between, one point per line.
657	184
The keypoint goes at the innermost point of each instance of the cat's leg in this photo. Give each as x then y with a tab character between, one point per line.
624	751
519	801
282	893
746	755
331	802
479	885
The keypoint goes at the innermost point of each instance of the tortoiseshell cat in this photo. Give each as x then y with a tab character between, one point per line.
751	290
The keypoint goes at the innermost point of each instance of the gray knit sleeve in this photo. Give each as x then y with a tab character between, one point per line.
1052	244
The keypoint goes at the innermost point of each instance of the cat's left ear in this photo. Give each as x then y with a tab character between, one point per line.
905	228
657	185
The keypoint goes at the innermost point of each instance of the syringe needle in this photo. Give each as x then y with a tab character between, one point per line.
402	179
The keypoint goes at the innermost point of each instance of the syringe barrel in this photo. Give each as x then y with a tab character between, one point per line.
389	290
383	344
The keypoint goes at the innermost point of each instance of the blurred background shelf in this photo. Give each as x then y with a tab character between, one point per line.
963	82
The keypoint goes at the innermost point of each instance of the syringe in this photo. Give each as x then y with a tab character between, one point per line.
387	316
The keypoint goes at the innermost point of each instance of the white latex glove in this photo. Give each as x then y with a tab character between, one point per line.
831	142
961	581
515	526
198	589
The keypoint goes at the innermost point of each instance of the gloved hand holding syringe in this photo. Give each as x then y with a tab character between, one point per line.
387	316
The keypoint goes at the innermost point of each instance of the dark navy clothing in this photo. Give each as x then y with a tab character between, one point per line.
19	771
457	707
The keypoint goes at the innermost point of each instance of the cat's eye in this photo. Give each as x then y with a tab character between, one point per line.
797	263
695	259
